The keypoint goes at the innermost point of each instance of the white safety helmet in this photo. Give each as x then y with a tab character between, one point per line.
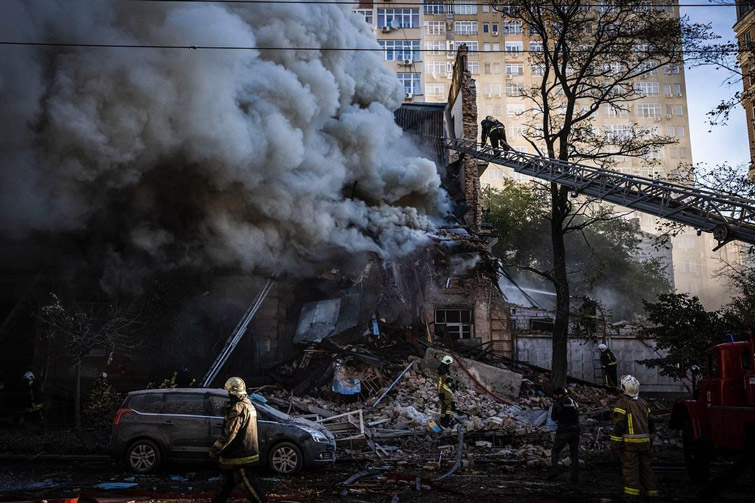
631	386
29	376
447	360
602	347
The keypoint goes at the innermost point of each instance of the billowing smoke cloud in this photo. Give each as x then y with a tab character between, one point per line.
241	158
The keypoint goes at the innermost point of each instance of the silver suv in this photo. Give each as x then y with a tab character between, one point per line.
157	426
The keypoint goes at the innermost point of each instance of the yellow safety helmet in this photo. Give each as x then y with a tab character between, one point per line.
235	386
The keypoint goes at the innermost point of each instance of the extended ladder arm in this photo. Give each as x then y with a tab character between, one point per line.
728	217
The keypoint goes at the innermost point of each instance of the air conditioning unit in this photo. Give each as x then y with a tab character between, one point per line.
495	33
386	29
509	76
668	116
406	62
657	119
409	96
449	15
489	95
678	95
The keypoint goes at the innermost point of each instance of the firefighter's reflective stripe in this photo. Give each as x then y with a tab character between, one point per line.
629	423
653	493
620	411
239	461
494	128
637	439
633	492
443	387
610	363
614	438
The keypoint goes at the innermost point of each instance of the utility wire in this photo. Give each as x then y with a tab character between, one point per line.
271	48
415	4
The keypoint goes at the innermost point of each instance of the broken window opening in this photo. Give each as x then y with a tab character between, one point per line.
454	324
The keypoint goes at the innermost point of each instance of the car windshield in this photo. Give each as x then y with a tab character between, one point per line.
275	413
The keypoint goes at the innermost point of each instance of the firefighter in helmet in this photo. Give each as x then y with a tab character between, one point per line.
632	427
445	391
492	128
33	399
238	446
608	364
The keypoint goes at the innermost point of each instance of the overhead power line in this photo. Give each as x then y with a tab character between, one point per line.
271	48
413	4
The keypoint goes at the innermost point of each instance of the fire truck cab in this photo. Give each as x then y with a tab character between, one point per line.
721	418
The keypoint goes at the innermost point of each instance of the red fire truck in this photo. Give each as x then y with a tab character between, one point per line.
722	417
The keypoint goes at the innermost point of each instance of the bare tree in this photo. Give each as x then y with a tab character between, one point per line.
592	58
85	327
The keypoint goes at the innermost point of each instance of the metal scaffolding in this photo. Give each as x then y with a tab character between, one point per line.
728	217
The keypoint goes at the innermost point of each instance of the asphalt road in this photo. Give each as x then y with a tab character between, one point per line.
394	482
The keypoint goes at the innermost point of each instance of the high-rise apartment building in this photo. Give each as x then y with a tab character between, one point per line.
746	37
420	43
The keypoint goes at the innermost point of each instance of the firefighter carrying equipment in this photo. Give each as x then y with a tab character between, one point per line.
235	386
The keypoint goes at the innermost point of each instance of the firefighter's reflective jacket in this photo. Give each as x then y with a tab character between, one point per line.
493	126
238	445
632	424
445	391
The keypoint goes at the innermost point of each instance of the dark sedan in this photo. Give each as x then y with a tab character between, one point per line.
154	427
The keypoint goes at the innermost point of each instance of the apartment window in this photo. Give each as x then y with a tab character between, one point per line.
618	132
492	89
670	131
486	27
404	18
514	110
501	174
678	110
436	68
474	67
646	88
436	47
366	14
680	131
536	47
497	110
514	89
435	89
486	47
465	27
515	69
454	323
487	68
496	47
667	90
488	109
538	69
648	68
400	50
513	47
612	68
485	8
496	68
465	7
678	90
435	27
517	130
671	69
747	39
648	110
410	81
434	8
471	45
512	28
491	174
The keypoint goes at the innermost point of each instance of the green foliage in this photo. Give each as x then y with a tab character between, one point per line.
600	250
682	327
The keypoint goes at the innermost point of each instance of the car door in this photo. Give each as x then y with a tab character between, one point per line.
187	424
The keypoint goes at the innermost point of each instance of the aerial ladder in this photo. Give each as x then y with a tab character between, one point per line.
728	217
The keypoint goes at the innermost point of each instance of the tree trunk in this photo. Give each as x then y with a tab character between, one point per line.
559	361
77	398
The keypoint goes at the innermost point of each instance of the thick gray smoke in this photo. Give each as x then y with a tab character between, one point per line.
241	158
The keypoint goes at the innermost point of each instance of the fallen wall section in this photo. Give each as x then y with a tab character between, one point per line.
502	382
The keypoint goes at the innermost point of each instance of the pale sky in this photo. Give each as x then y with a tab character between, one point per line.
706	89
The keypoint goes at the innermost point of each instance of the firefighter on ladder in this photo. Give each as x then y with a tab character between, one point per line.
608	364
632	426
445	391
494	129
238	446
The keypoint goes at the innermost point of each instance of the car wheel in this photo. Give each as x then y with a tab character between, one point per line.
285	458
143	456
